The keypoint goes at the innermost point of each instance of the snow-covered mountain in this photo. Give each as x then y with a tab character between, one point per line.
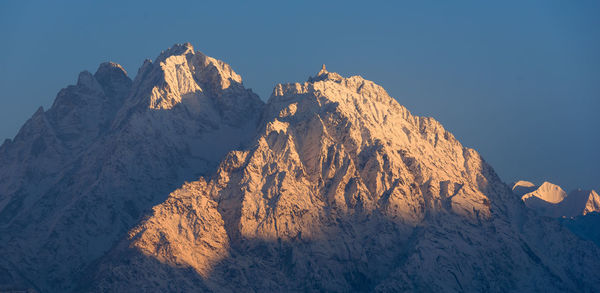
548	192
183	180
550	200
77	177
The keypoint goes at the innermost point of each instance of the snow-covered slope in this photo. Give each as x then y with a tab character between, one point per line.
185	181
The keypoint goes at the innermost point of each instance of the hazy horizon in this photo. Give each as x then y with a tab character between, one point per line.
518	82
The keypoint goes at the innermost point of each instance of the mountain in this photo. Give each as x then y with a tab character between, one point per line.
192	183
551	200
545	199
77	177
547	192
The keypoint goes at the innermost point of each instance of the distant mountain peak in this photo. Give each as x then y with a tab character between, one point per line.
176	50
114	80
551	200
86	79
110	68
204	69
323	70
552	192
207	87
323	74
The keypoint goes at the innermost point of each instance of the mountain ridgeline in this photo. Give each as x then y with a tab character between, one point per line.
184	180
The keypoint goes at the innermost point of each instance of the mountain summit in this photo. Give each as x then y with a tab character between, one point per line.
550	200
324	75
192	183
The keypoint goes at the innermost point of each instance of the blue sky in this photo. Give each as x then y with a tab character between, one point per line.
519	81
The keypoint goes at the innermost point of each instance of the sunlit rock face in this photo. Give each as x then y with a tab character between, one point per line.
331	185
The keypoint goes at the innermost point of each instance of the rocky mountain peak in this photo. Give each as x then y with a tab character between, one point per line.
203	85
207	70
323	74
110	72
323	70
114	81
176	50
110	68
87	80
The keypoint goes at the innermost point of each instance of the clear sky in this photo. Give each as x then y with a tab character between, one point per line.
519	81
